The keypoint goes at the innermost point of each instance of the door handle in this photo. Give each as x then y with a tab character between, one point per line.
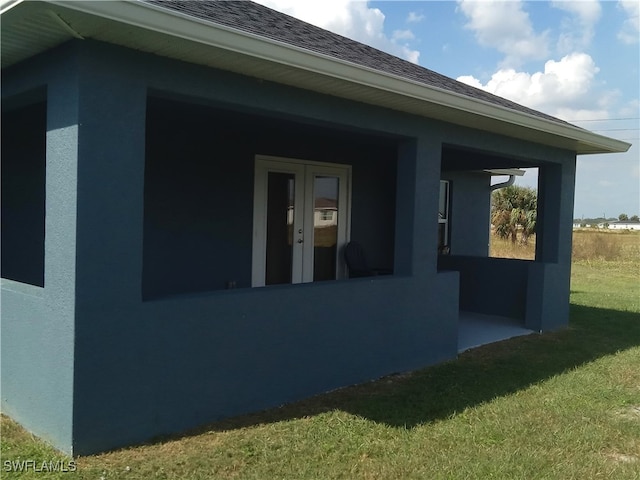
300	240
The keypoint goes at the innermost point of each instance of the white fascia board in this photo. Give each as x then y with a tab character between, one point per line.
6	5
191	28
506	171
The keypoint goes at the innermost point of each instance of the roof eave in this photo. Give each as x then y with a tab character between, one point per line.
459	107
6	5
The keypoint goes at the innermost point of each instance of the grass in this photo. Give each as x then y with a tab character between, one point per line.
620	245
588	245
504	248
564	405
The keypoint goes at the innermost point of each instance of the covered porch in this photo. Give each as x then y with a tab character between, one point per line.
504	297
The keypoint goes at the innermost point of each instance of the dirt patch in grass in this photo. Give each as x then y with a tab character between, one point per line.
631	413
622	457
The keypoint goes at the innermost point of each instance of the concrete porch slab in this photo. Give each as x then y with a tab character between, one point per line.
477	329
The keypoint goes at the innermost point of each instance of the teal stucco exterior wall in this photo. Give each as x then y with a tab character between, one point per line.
131	368
38	322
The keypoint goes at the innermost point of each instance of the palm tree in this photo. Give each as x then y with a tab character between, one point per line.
514	208
529	220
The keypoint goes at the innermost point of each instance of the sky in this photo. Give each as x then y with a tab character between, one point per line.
577	60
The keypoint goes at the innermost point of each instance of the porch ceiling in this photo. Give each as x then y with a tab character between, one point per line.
29	28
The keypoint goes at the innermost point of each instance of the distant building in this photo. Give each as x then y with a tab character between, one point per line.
624	225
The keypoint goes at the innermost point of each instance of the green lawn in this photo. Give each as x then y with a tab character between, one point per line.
564	405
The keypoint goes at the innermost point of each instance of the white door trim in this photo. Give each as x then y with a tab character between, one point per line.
305	173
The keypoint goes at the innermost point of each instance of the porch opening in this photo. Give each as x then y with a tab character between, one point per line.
514	213
199	201
493	291
23	192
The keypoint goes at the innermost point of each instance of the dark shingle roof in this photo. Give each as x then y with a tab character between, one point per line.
257	19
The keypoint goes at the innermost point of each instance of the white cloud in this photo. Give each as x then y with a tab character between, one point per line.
588	11
403	35
355	20
630	32
473	81
506	27
580	28
564	89
414	17
631	109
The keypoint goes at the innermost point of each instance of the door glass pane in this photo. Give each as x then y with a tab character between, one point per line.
325	227
443	210
280	210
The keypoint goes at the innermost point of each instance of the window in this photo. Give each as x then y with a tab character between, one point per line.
443	218
23	193
326	215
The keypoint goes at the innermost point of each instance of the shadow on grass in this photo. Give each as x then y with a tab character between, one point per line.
477	376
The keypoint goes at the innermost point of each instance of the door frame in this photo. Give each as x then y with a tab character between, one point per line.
305	172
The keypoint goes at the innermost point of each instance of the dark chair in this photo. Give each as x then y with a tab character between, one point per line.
357	263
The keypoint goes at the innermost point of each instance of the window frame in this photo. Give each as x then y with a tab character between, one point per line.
444	219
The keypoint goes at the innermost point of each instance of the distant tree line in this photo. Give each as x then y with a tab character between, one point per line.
623	217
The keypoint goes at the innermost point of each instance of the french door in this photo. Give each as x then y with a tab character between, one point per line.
300	221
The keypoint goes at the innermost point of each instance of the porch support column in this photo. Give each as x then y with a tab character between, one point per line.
60	254
418	186
405	207
38	323
431	298
110	186
550	275
111	154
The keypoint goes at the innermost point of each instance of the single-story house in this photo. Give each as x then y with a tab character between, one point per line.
623	225
151	151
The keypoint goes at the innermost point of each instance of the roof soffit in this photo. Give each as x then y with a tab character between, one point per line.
33	27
